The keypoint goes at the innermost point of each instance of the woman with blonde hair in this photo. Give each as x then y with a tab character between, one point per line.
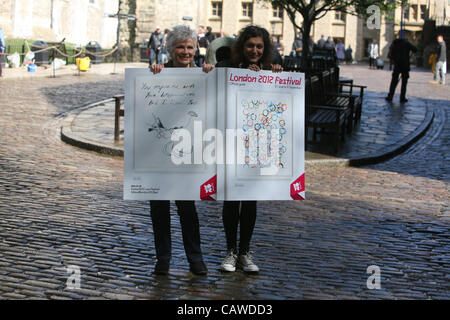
181	44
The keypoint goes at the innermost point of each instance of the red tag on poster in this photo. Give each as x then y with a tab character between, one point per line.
208	189
298	186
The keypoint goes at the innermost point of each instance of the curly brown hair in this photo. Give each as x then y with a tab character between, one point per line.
237	51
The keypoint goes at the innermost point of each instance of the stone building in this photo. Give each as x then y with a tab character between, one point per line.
78	21
231	15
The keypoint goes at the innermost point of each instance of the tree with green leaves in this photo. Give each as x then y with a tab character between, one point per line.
312	10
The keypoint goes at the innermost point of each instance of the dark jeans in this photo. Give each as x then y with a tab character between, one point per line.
394	82
200	61
235	212
154	54
160	213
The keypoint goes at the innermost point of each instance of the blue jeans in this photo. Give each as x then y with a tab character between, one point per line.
154	53
439	71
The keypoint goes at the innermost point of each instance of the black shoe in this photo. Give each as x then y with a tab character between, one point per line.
198	268
162	267
403	100
388	99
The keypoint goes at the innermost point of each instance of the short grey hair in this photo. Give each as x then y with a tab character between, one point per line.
180	34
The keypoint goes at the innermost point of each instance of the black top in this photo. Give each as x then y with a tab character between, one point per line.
401	49
155	40
210	36
203	42
321	43
298	44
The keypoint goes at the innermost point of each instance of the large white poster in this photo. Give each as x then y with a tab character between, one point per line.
265	161
161	107
158	108
231	134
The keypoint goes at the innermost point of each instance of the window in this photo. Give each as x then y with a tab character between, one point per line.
247	10
406	13
216	8
339	15
414	12
423	12
278	12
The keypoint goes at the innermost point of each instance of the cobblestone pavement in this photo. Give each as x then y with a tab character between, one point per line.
62	206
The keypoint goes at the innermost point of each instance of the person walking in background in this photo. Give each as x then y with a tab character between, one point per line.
330	47
164	53
277	51
321	42
373	54
329	44
340	51
349	54
181	43
252	50
209	35
154	45
297	46
202	46
2	49
441	61
400	54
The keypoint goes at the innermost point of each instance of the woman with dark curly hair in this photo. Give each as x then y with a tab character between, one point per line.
252	50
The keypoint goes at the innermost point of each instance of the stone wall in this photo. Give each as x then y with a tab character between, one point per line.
78	21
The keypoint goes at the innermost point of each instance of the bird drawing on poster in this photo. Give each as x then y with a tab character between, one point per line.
163	132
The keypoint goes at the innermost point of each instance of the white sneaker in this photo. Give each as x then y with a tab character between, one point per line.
229	263
245	262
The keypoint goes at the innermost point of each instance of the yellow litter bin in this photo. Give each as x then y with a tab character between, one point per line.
83	63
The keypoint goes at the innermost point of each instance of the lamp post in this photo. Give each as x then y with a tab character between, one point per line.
119	16
402	26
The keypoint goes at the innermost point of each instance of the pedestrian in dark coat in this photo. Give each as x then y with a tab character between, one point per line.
349	54
154	44
321	43
209	35
340	51
400	55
